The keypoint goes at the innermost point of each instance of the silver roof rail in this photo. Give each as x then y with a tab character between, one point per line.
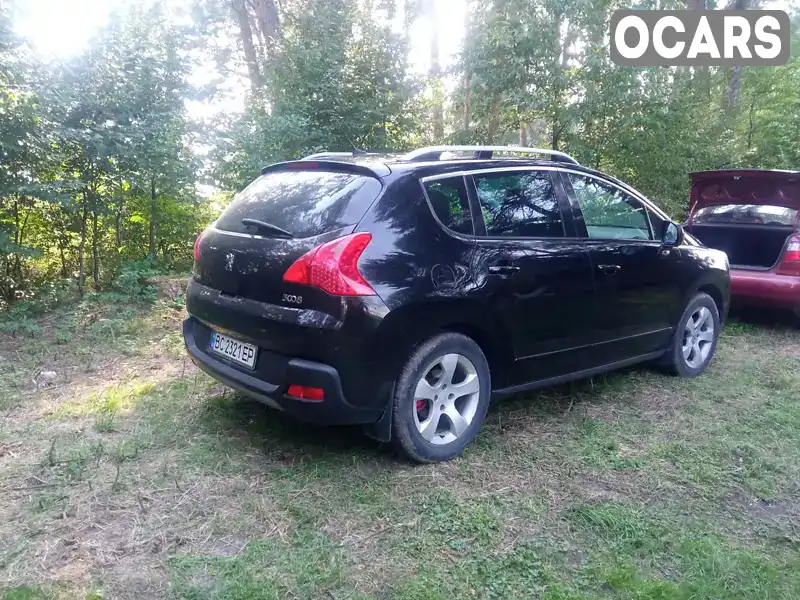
329	155
435	152
334	155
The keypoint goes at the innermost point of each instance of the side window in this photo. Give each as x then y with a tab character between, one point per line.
449	200
609	213
657	224
519	204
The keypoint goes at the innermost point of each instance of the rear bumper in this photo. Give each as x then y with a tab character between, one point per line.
765	288
272	377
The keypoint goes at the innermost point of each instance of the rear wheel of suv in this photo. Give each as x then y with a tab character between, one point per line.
441	398
695	340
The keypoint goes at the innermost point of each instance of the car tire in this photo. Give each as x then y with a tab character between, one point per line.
694	343
440	399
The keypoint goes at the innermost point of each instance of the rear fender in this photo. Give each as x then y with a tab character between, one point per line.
404	329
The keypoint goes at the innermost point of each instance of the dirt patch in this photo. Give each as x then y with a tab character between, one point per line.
660	404
787	507
136	577
130	532
596	491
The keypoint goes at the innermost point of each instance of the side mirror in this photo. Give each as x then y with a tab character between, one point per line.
672	234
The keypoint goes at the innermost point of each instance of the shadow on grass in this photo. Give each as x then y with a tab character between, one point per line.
218	422
231	422
270	430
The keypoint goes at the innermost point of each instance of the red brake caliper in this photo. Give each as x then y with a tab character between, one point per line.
420	405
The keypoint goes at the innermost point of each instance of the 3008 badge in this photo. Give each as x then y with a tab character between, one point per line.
292	299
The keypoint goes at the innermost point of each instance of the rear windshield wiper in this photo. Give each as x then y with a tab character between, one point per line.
264	226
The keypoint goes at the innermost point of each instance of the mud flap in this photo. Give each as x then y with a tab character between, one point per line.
381	429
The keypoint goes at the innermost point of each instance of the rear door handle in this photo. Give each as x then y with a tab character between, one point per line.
609	269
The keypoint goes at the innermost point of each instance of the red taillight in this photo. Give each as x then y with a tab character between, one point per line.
789	263
304	392
333	267
197	247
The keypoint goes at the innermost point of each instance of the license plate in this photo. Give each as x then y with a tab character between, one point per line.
239	352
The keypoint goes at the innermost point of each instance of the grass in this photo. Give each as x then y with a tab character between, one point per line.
132	475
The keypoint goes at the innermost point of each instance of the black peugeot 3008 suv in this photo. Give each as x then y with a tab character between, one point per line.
403	294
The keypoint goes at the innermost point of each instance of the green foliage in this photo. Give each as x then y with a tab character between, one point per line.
132	279
19	320
340	78
97	167
100	161
543	74
21	316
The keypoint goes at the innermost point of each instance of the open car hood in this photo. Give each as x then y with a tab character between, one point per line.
745	186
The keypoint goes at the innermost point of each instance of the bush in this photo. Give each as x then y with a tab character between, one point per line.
131	280
20	319
21	316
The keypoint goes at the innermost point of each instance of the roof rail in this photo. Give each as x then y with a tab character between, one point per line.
355	153
376	170
435	152
329	155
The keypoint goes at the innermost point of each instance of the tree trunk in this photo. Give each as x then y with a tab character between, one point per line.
17	243
562	64
82	247
118	218
466	102
246	36
8	290
95	254
118	229
494	121
435	73
63	261
523	135
733	90
153	213
268	22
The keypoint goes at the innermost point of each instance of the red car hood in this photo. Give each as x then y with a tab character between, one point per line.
745	186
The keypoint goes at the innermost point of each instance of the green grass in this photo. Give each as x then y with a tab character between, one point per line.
134	476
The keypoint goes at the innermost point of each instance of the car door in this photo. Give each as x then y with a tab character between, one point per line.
637	290
535	272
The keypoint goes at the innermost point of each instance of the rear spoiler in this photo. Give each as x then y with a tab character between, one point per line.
371	169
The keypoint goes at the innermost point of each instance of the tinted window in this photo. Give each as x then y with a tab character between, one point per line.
608	212
519	204
305	203
747	214
449	201
657	224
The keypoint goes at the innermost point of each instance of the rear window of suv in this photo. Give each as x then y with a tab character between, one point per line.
305	203
448	198
745	214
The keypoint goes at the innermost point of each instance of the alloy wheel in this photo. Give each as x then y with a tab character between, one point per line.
446	398
698	337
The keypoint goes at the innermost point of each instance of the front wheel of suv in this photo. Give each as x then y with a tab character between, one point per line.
440	399
695	340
